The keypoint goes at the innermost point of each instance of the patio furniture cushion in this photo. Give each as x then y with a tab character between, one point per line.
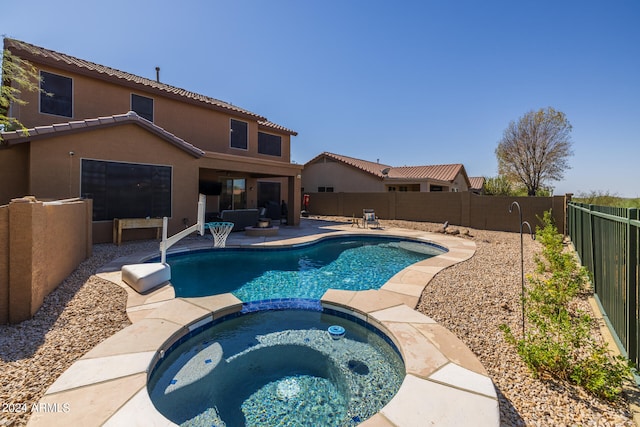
240	218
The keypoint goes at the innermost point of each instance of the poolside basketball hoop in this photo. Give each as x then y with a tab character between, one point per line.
220	231
167	242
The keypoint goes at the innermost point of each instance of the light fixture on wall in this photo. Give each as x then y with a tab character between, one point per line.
71	154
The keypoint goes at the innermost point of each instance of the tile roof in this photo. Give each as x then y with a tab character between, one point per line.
272	126
477	182
16	137
436	172
446	173
373	168
64	61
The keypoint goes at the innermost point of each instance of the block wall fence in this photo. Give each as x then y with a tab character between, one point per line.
41	244
461	209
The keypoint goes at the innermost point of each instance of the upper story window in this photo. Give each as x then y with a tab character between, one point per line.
56	95
239	134
269	144
143	106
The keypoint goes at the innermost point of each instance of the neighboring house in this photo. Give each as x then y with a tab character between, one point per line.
477	184
139	147
330	172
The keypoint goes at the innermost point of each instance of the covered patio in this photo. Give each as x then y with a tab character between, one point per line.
235	182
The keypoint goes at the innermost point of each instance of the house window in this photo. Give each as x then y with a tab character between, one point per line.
436	188
391	188
239	134
325	189
143	106
56	94
234	194
126	190
269	144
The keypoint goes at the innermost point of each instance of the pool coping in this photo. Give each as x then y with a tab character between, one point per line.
107	386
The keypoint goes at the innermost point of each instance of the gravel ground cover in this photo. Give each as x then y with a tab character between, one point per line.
83	311
472	299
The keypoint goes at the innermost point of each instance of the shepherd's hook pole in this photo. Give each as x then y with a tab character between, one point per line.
533	236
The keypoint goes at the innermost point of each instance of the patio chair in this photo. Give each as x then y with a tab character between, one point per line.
369	218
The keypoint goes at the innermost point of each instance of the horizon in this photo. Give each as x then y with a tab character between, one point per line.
422	84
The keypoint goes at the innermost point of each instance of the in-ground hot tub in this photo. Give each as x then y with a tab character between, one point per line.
277	367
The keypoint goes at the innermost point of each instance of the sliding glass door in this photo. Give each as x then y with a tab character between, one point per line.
234	194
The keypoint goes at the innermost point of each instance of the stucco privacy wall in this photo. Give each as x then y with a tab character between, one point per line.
464	208
45	243
14	173
4	264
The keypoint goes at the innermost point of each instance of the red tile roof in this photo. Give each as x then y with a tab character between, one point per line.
64	61
16	137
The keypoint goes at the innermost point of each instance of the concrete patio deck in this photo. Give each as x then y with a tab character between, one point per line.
445	384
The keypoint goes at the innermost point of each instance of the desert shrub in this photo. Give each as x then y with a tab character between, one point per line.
558	339
604	198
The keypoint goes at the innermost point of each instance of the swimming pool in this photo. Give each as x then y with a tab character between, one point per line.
445	384
303	271
278	367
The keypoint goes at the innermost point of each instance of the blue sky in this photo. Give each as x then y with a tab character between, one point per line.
408	83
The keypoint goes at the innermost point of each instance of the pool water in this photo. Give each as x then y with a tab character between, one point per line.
306	271
273	367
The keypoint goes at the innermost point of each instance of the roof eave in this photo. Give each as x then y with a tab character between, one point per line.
61	129
272	127
416	180
148	88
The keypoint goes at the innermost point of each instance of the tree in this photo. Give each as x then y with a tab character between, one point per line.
497	186
534	150
17	75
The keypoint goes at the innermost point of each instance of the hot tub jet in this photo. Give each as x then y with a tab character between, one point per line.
288	388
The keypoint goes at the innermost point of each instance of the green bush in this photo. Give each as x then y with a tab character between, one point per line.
558	339
497	186
606	199
501	186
